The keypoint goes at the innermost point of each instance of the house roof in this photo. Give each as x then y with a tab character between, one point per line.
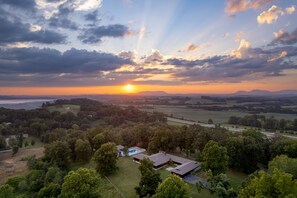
185	168
163	158
120	147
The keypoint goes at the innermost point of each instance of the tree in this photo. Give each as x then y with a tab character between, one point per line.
82	150
106	159
6	191
173	186
220	185
149	181
284	163
58	153
98	140
276	184
52	190
2	143
215	158
80	184
209	121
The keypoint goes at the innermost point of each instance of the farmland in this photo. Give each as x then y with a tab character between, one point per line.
64	108
200	115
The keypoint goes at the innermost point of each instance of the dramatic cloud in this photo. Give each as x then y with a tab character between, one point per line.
13	30
235	6
155	58
35	60
245	63
269	16
272	14
95	34
284	38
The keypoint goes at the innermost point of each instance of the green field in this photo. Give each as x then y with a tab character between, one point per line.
203	115
128	177
64	108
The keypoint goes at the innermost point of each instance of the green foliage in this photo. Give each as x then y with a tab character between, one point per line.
173	186
276	184
58	153
49	191
215	158
149	181
81	183
83	150
98	140
35	180
32	142
54	175
284	163
247	150
6	191
2	143
26	143
106	158
220	185
14	181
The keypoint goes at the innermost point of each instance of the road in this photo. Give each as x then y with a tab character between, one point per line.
267	133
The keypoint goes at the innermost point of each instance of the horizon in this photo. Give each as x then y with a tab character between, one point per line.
86	47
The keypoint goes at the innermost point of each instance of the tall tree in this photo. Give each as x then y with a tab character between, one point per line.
83	150
81	183
149	181
58	153
173	186
106	159
215	158
277	184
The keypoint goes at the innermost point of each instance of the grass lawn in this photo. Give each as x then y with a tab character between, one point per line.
127	177
236	178
64	108
38	143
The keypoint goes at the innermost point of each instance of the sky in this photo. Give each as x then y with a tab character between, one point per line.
69	47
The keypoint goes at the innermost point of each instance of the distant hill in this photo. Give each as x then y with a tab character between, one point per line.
257	92
152	93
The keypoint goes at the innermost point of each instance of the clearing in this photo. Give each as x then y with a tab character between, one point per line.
64	108
17	165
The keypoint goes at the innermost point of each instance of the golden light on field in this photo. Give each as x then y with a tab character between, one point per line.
129	88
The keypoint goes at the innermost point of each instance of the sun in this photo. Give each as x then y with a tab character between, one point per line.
129	88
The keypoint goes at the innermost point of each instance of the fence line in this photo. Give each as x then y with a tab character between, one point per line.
115	187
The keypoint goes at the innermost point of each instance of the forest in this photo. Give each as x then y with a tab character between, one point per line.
71	139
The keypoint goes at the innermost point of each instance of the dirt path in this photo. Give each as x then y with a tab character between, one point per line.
12	166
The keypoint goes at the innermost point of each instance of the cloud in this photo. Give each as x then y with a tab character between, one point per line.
242	50
290	10
13	30
269	16
244	63
85	5
280	55
190	48
235	6
20	4
154	58
36	60
95	34
284	38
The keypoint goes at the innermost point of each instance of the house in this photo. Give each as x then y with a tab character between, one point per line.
183	168
120	149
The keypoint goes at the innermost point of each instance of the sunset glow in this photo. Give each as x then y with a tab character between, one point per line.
71	47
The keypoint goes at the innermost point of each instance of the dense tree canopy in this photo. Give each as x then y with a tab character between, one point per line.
106	159
149	181
173	186
215	158
81	183
58	153
276	184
